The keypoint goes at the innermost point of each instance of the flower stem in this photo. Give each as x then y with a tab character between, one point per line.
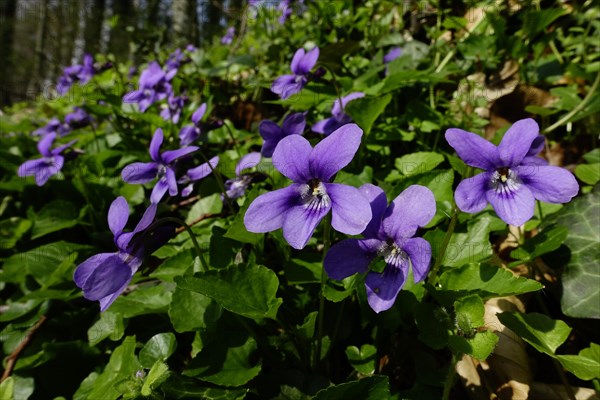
189	231
579	107
326	244
438	261
450	377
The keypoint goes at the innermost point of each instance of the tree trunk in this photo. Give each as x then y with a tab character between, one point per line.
185	22
8	12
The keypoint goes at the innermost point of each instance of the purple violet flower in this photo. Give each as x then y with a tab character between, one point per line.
161	167
172	110
513	177
53	126
153	86
228	37
104	276
76	73
339	117
78	118
390	236
394	53
272	134
300	207
189	134
50	164
236	187
195	174
302	63
286	7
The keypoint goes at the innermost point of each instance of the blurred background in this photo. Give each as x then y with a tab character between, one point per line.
39	37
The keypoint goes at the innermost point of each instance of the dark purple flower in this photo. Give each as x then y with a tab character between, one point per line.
339	117
78	118
286	7
302	63
228	37
175	60
514	178
172	110
50	163
53	126
76	73
103	277
162	167
390	236
299	208
195	174
236	187
153	86
394	53
189	134
272	134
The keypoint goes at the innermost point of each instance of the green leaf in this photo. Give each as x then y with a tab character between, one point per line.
469	312
487	280
586	365
588	173
143	300
11	230
335	293
122	366
40	262
364	111
581	277
542	332
158	348
54	216
208	205
237	230
479	346
537	20
363	359
226	361
593	157
433	324
544	242
7	388
157	375
110	325
190	311
247	290
307	329
464	247
182	387
418	163
370	388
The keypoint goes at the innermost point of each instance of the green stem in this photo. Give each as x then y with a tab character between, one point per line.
539	207
452	52
189	231
232	137
326	243
579	107
440	258
219	182
449	382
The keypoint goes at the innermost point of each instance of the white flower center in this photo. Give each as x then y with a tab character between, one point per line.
505	181
392	254
314	195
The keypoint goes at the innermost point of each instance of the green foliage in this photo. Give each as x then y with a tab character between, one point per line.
245	290
254	320
581	277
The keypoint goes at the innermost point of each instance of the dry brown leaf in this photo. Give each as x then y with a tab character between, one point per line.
544	391
505	374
